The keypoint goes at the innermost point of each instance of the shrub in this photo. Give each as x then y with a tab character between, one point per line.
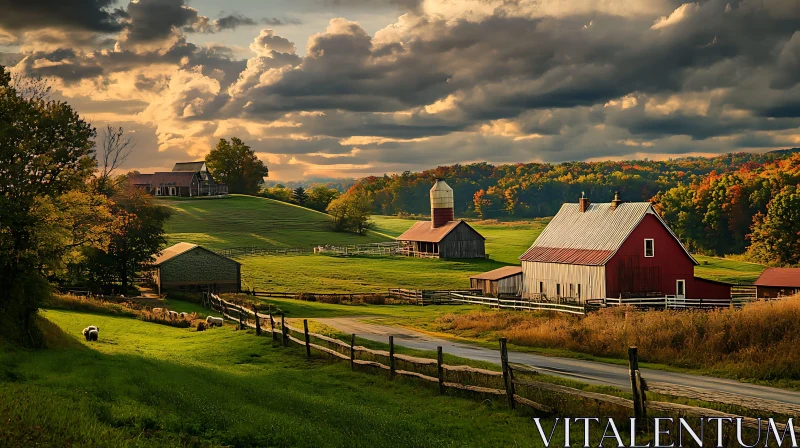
165	318
92	305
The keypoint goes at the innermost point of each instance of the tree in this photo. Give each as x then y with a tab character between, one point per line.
321	196
115	147
351	211
776	235
46	160
300	196
235	164
278	192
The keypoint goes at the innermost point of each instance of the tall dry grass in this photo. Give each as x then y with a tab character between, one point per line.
760	341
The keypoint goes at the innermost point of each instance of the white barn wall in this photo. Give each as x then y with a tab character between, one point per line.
591	278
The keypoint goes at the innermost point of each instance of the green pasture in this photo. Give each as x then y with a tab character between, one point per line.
145	384
240	221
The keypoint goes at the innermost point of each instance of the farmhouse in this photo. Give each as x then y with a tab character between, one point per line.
778	282
612	250
189	267
186	179
506	281
442	236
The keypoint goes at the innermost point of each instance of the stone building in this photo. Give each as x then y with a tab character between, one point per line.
192	268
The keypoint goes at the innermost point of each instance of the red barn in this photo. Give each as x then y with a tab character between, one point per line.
612	250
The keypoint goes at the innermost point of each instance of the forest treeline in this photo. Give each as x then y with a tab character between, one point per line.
717	205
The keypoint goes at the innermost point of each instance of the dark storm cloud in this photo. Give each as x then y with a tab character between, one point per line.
82	15
233	21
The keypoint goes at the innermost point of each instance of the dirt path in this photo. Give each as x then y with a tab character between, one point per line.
580	370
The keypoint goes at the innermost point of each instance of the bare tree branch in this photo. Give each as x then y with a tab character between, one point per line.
115	149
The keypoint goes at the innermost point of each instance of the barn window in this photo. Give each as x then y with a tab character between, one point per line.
579	290
541	287
558	289
649	247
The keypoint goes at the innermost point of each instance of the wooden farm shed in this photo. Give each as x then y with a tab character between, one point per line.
443	236
612	250
502	281
778	282
192	268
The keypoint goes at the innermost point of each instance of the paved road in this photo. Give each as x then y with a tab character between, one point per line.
585	371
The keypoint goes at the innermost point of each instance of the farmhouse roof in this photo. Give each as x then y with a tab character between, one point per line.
175	179
780	277
425	232
499	273
188	166
141	179
181	248
591	237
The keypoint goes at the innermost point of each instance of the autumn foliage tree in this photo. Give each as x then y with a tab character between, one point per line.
235	164
351	212
46	212
776	234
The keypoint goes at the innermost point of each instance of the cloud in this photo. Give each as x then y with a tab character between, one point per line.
450	81
682	13
83	15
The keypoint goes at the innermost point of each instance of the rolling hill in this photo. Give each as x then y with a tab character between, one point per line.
241	221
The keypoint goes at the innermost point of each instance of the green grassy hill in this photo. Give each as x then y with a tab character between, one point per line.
145	384
250	221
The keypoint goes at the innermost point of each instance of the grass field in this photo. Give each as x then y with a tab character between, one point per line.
145	384
240	221
250	221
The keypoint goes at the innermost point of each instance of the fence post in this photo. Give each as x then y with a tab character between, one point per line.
305	331
440	369
284	338
352	351
391	357
258	322
507	375
240	310
637	388
272	326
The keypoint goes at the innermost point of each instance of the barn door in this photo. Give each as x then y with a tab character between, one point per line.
680	289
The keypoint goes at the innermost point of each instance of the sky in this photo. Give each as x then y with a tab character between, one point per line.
348	88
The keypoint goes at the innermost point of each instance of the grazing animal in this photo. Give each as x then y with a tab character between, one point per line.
214	321
173	314
91	333
182	315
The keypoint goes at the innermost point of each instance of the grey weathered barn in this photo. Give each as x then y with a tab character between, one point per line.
192	268
442	236
506	281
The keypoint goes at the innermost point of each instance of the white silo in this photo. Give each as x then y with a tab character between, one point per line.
441	203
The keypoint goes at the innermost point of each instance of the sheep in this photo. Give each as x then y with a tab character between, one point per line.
91	333
173	314
214	321
183	315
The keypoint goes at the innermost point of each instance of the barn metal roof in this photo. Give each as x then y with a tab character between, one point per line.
181	248
780	277
425	232
591	237
141	179
499	273
173	251
173	179
188	166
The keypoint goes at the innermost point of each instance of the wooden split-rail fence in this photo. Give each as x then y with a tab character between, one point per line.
516	383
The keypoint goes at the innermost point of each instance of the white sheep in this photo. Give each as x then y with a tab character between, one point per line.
183	315
91	333
173	314
212	321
